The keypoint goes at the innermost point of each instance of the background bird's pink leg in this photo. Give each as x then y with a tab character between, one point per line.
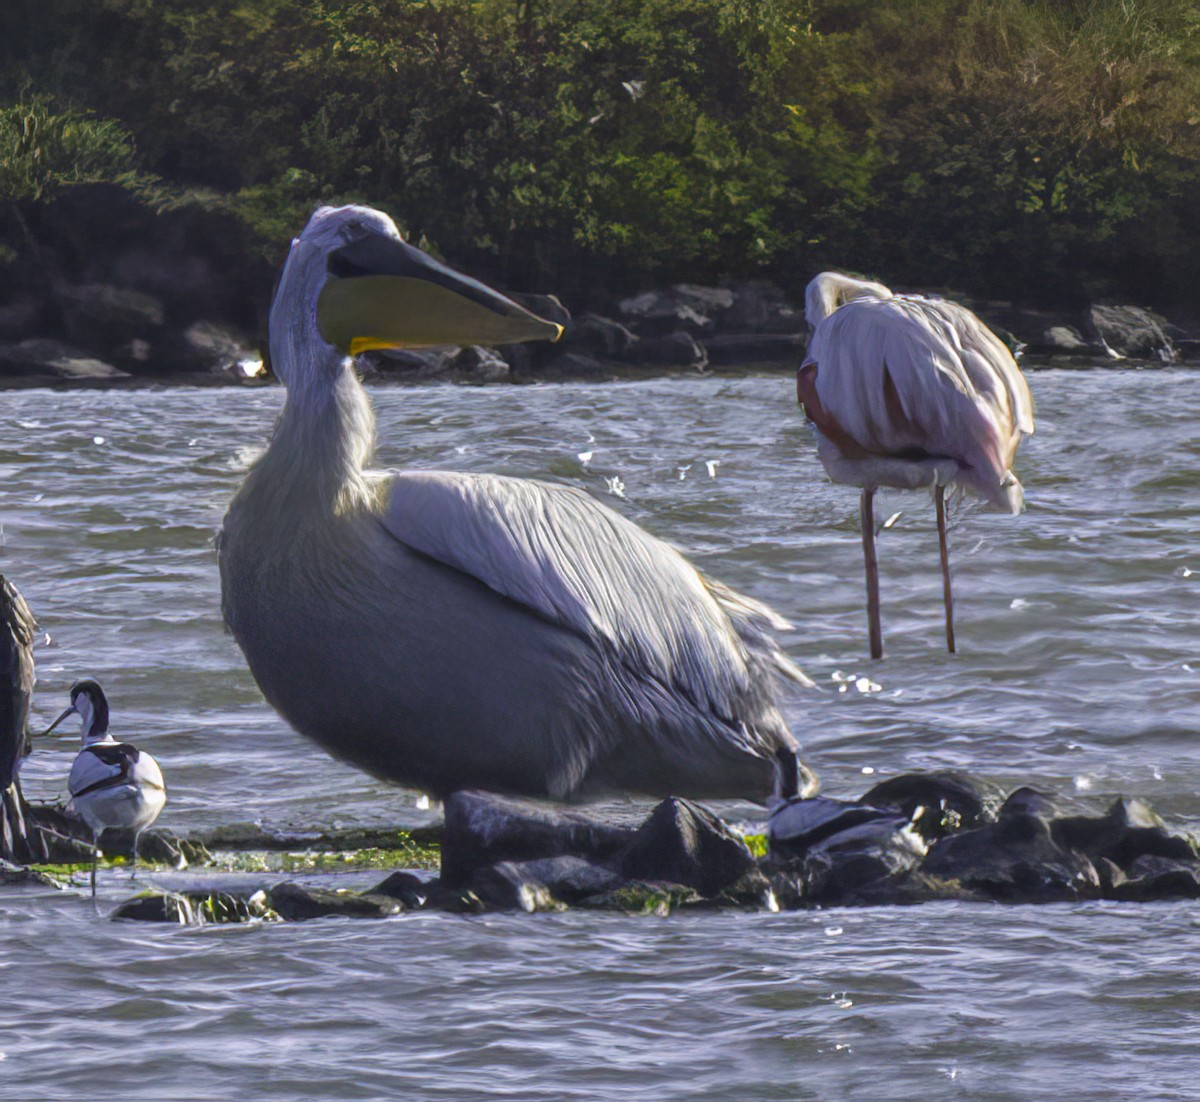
939	498
867	519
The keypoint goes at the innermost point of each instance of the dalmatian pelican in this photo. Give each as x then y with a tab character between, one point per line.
450	630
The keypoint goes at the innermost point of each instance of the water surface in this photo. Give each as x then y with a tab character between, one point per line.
1078	671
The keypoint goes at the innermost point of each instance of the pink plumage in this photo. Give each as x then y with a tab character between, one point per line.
905	392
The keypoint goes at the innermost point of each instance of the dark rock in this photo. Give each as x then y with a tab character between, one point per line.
1131	331
210	347
675	349
1128	831
101	315
409	363
1016	859
599	337
938	803
761	307
687	307
24	316
19	874
293	901
795	825
1153	877
645	898
1063	340
548	307
756	348
481	829
684	843
511	886
43	358
412	891
193	908
481	365
754	892
861	864
566	878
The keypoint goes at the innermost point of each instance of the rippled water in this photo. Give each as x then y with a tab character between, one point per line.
1079	671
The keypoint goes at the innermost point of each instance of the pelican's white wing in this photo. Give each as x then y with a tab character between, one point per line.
907	376
583	566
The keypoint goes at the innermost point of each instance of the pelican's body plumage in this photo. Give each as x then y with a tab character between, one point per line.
905	391
448	631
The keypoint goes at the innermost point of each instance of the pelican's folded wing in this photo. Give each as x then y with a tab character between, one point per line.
576	562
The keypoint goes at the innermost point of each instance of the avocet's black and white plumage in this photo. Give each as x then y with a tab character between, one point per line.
906	391
113	785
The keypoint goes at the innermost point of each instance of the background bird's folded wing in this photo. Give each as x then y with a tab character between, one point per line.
91	771
579	564
909	377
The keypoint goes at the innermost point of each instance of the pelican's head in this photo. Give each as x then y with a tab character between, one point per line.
364	288
91	705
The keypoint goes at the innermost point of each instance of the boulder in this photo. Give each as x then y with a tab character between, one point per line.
688	307
479	365
195	908
105	316
1150	878
1015	859
212	348
797	825
675	349
23	317
549	307
684	843
601	338
658	898
862	864
938	803
1131	331
44	359
407	363
482	829
761	307
293	901
411	890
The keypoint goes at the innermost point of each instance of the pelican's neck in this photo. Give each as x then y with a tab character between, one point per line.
325	435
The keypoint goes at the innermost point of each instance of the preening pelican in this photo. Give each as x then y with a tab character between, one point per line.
908	392
113	785
450	631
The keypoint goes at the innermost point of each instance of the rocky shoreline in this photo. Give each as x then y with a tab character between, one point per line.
116	296
914	838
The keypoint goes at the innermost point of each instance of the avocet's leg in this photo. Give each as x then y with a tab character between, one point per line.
867	520
137	837
95	860
939	498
